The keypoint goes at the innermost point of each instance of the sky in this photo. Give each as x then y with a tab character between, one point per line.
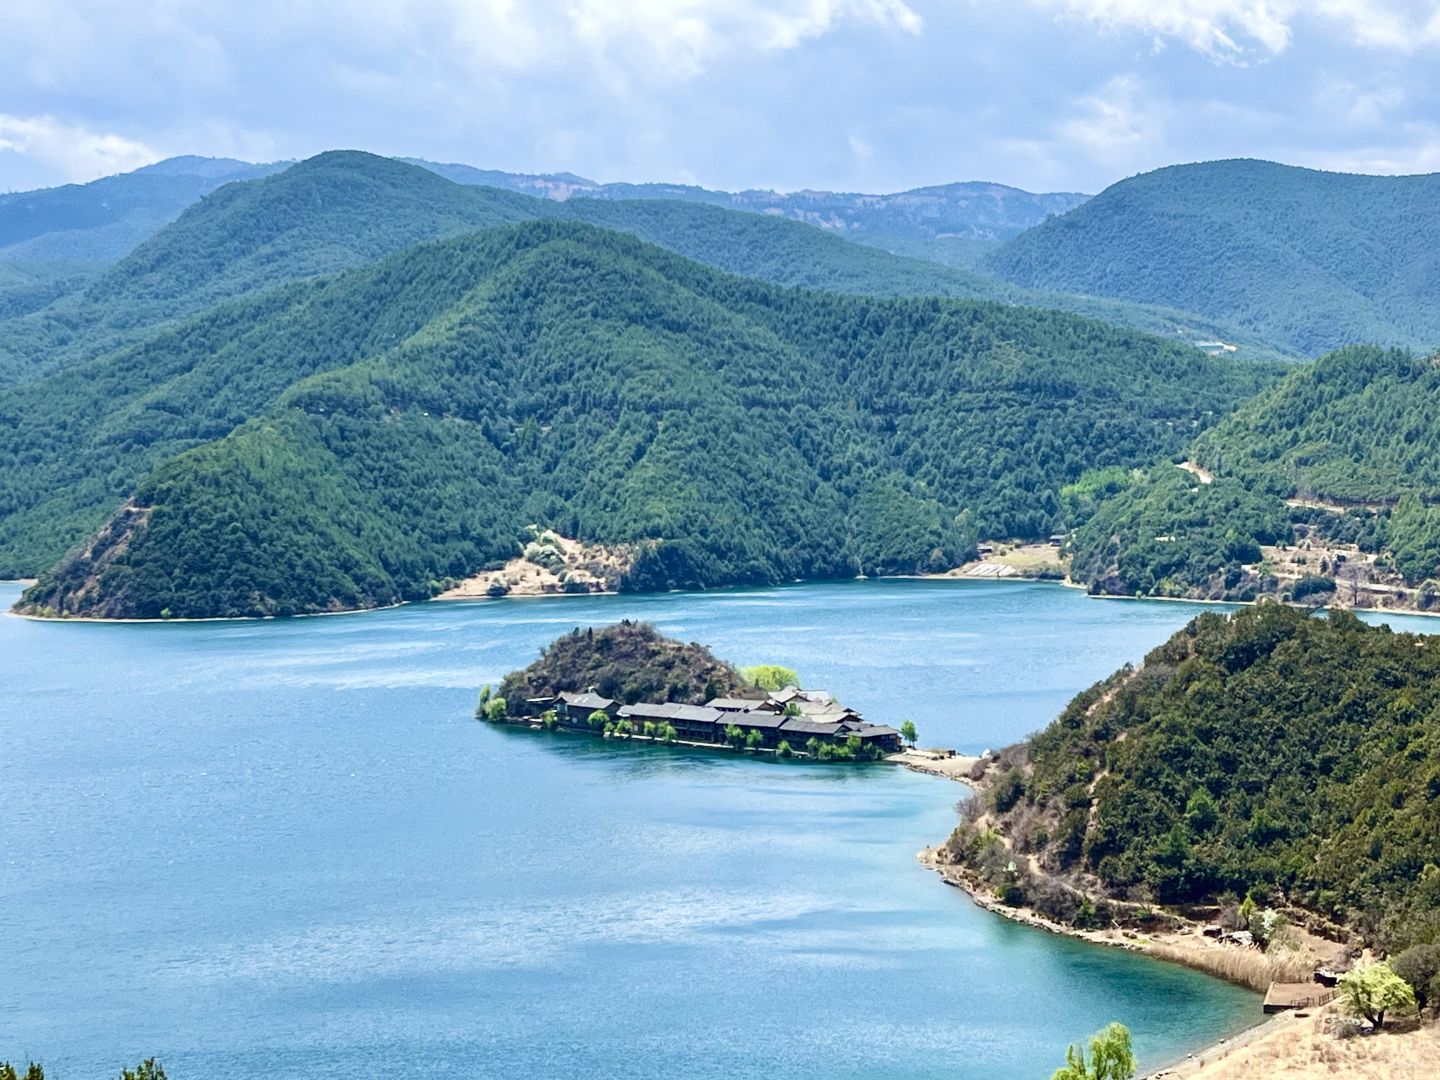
853	95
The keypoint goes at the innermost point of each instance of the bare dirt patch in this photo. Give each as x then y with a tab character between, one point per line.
552	565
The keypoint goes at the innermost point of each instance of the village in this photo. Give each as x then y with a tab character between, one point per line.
789	722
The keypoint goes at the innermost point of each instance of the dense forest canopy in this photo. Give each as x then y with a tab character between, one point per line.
627	662
1358	429
1269	752
410	419
1310	260
344	209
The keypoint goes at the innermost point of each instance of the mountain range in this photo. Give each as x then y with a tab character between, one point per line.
360	367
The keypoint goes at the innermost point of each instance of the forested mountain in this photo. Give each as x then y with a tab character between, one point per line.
1292	758
1308	259
1354	436
950	223
104	220
344	209
331	212
402	423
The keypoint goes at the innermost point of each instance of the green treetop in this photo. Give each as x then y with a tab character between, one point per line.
771	676
1111	1057
1372	991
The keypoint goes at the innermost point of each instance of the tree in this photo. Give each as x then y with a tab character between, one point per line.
754	738
9	1072
734	736
908	732
1111	1057
667	732
549	718
784	749
770	676
480	713
1372	991
624	728
1419	966
792	708
148	1069
648	730
495	709
598	719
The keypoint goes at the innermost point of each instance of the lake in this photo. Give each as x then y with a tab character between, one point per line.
286	849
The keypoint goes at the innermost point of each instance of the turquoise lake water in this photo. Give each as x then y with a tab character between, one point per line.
285	849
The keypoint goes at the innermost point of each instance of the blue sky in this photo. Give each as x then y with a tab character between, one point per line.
871	95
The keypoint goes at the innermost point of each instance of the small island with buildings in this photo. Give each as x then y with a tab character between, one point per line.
629	681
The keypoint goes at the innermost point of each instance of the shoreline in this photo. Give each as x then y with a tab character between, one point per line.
107	621
1169	952
947	577
1172	951
1253	603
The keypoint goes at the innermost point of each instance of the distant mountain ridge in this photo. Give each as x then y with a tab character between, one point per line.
106	219
919	221
1310	260
345	208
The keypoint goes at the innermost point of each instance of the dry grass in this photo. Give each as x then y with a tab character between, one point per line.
1244	967
1302	1049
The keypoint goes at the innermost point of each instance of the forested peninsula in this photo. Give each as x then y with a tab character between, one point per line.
1271	755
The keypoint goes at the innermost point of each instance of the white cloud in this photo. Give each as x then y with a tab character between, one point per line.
1234	29
1115	121
73	152
861	149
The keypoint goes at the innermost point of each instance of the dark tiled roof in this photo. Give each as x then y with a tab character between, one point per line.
698	714
733	704
757	719
649	710
800	726
587	701
670	710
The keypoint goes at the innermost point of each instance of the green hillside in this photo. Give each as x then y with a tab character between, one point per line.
411	418
344	209
331	212
1270	753
1356	434
1309	260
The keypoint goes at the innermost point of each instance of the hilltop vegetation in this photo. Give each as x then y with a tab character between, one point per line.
344	209
1309	260
1356	435
1269	753
412	418
627	662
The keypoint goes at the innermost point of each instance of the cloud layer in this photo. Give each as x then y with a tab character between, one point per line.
857	94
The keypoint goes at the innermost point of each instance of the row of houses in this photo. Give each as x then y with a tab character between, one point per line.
793	716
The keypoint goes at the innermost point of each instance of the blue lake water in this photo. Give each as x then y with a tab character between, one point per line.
286	849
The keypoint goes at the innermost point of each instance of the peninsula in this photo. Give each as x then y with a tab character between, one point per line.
1257	800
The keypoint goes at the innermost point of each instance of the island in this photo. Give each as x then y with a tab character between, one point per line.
629	681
